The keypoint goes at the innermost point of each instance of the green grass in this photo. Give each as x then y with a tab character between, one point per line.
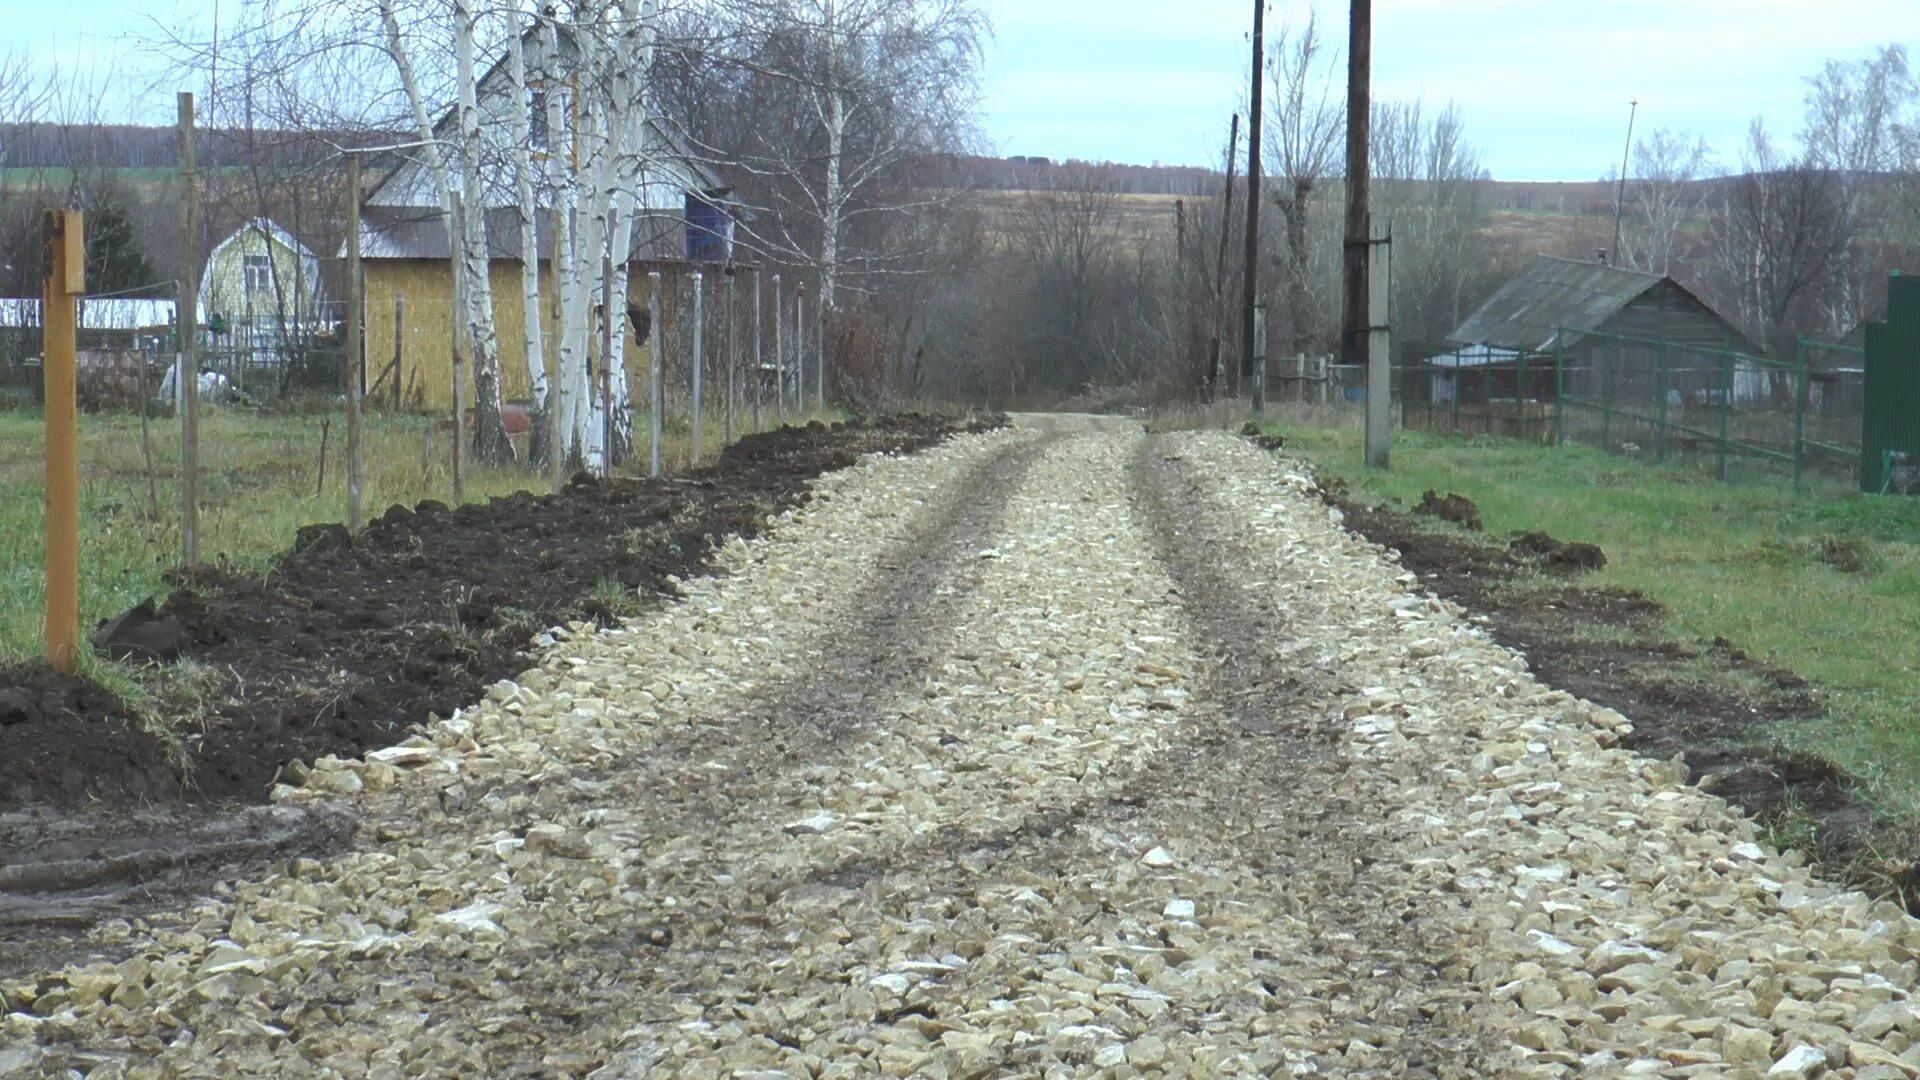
1750	562
258	486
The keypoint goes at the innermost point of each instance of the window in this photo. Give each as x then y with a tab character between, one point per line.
258	270
537	132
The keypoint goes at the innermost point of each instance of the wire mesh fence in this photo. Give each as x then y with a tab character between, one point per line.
1729	414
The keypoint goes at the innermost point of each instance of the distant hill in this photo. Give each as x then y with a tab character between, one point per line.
129	146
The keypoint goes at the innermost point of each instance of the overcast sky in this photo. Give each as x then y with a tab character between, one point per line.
1544	84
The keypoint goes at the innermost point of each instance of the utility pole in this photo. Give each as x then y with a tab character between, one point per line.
1220	262
1354	297
1251	295
1620	198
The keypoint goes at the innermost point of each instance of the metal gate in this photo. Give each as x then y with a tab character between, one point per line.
1890	418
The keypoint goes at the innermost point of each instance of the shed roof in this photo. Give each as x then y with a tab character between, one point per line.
1550	293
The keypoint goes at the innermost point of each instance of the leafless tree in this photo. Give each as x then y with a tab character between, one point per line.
1307	129
1856	112
826	108
1665	192
1427	187
1782	238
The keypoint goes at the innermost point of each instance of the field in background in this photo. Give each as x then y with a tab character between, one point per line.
258	486
1828	587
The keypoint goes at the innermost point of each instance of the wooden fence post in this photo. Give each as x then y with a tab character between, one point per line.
66	280
354	374
461	331
187	376
399	334
699	355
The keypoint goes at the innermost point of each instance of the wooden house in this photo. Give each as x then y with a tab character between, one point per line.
682	220
262	283
1615	332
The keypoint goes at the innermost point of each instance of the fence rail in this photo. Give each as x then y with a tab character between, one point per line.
1738	415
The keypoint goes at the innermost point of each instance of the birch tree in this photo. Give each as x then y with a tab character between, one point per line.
1665	192
469	263
522	155
824	105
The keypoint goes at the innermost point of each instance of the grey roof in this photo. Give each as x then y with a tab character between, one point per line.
1550	293
411	232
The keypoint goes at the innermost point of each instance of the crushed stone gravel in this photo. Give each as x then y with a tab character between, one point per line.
1046	752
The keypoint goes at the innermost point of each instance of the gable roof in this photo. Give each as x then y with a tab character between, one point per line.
267	227
492	82
1550	293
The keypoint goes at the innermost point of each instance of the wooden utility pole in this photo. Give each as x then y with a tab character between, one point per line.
66	280
1251	294
186	381
456	229
1220	262
1620	198
354	372
1353	307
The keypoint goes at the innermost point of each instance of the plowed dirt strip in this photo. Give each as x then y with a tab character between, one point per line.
1624	924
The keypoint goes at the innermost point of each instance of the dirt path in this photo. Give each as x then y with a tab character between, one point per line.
1049	751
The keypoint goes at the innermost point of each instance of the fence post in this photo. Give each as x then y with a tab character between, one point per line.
399	333
1660	390
1726	407
607	323
779	354
1559	388
66	280
461	332
800	349
353	357
659	376
699	355
1606	395
186	382
759	353
733	358
1799	411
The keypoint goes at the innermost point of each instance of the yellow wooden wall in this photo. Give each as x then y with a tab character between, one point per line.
426	353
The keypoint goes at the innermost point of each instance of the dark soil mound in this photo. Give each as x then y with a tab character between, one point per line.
1451	507
1558	556
348	641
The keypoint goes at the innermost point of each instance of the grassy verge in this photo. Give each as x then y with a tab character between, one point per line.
260	482
1828	586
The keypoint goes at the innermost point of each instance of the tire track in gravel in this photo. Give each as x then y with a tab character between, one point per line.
701	786
1270	772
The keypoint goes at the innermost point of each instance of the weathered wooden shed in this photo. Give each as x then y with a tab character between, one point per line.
1598	318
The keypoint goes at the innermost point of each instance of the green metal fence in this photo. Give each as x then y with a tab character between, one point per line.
1725	413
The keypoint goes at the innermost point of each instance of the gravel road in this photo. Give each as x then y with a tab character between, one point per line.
1056	751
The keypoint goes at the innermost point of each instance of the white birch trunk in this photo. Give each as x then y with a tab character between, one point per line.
529	239
490	441
570	311
836	125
